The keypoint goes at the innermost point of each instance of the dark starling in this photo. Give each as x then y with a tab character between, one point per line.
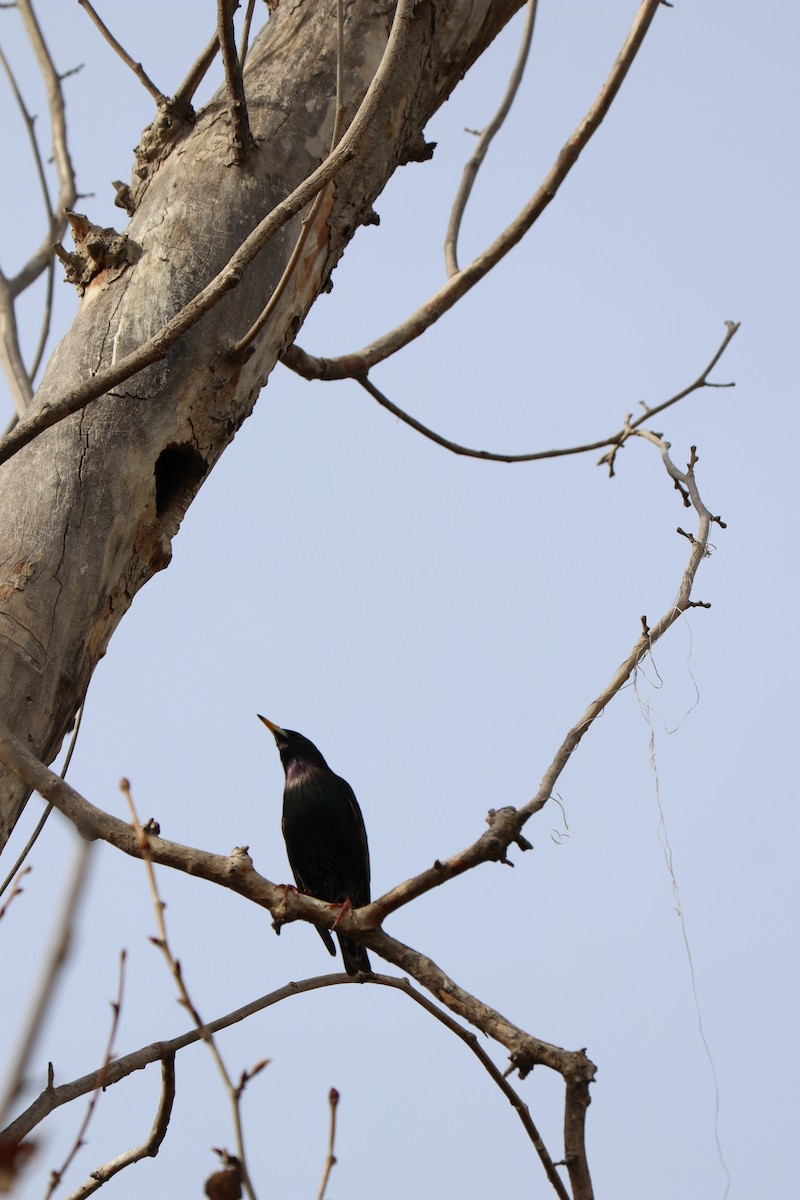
325	836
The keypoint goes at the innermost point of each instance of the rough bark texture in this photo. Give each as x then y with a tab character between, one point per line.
89	509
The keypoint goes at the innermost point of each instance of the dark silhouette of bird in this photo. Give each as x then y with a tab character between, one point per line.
326	840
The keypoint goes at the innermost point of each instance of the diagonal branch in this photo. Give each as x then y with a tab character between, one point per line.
136	67
484	142
182	99
149	1147
360	361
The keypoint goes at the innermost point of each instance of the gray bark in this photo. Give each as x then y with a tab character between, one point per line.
89	508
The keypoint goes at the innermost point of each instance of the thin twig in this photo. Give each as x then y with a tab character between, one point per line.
157	346
245	38
116	1007
234	1092
53	1098
243	141
149	1147
38	1007
47	317
702	380
16	890
484	142
470	1040
14	369
136	67
615	440
42	820
339	118
67	193
18	376
182	99
239	347
330	1161
360	361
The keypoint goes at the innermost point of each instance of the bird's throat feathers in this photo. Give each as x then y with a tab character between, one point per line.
299	771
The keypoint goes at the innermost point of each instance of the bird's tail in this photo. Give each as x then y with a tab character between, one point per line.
354	955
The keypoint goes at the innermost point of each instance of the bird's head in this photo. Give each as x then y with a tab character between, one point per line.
297	753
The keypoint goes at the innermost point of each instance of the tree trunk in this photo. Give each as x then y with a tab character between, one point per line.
89	508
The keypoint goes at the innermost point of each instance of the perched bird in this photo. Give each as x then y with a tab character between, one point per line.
325	836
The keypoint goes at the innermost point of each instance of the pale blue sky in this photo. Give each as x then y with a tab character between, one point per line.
437	624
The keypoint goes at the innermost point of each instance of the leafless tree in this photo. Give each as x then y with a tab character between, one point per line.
163	363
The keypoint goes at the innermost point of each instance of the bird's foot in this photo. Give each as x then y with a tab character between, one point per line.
278	917
344	908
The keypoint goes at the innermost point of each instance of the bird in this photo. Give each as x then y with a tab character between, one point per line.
325	835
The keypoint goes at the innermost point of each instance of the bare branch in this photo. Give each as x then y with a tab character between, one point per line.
41	822
470	1040
14	369
243	141
338	119
149	1147
19	378
116	1007
37	1009
484	142
162	942
16	890
182	99
615	440
330	1162
650	634
359	362
157	346
67	193
245	38
136	67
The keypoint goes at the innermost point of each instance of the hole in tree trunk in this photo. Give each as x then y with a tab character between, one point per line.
179	472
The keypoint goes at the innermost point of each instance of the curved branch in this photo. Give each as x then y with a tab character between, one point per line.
358	363
615	440
149	1147
67	192
484	141
165	1052
157	346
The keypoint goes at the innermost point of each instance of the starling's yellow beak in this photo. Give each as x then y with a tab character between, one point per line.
274	729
